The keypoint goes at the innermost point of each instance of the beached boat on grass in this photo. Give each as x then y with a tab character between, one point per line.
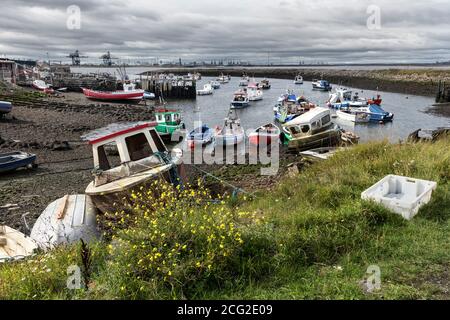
129	93
144	158
314	129
66	221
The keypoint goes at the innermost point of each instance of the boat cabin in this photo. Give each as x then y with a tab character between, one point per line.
169	117
136	148
314	121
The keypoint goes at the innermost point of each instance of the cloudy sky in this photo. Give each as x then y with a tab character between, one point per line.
284	30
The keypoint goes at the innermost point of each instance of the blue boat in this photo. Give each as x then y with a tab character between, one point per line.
377	114
200	136
149	95
15	160
322	85
5	107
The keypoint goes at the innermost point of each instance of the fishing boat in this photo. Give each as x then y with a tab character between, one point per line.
215	84
200	136
240	100
314	129
265	135
129	93
254	92
232	132
353	116
265	84
343	98
5	108
207	90
320	153
223	79
321	85
169	124
65	221
42	86
15	160
244	81
14	245
298	79
292	107
144	158
376	113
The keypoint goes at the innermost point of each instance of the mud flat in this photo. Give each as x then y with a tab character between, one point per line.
51	129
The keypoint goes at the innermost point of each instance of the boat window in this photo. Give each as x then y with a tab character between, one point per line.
315	124
326	119
304	128
138	147
157	140
159	118
108	156
168	118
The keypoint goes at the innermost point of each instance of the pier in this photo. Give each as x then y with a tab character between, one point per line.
170	88
443	94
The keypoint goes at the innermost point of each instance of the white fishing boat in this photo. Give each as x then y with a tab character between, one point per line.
240	100
254	92
231	133
215	84
244	81
223	79
343	98
144	158
321	85
14	245
207	90
353	116
42	86
66	221
298	79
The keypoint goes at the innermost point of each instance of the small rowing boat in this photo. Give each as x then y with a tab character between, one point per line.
14	160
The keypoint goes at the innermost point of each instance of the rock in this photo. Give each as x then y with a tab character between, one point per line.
60	146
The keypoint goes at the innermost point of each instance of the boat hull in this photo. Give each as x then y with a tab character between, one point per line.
136	95
328	138
5	107
15	160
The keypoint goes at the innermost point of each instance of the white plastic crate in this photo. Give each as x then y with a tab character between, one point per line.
402	195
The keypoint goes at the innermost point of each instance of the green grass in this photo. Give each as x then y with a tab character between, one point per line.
317	240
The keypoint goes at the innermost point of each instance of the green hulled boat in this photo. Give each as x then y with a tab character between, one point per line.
169	124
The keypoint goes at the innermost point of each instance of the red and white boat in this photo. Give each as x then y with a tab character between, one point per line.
129	93
42	86
265	135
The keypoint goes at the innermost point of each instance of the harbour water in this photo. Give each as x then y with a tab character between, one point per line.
410	111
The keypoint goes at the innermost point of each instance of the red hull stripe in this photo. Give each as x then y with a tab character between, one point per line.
119	133
112	95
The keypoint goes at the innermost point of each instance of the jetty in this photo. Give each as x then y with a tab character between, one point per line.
169	87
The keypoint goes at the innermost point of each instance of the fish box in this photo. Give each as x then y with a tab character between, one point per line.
402	195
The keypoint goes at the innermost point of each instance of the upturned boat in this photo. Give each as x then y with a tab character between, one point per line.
314	129
129	93
265	135
143	158
65	221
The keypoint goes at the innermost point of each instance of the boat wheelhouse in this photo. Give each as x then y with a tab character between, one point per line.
169	123
265	84
322	85
254	92
240	100
142	158
207	90
314	129
298	79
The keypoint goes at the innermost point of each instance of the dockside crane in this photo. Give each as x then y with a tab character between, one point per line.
76	58
107	59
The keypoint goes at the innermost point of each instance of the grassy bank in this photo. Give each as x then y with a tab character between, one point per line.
309	237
